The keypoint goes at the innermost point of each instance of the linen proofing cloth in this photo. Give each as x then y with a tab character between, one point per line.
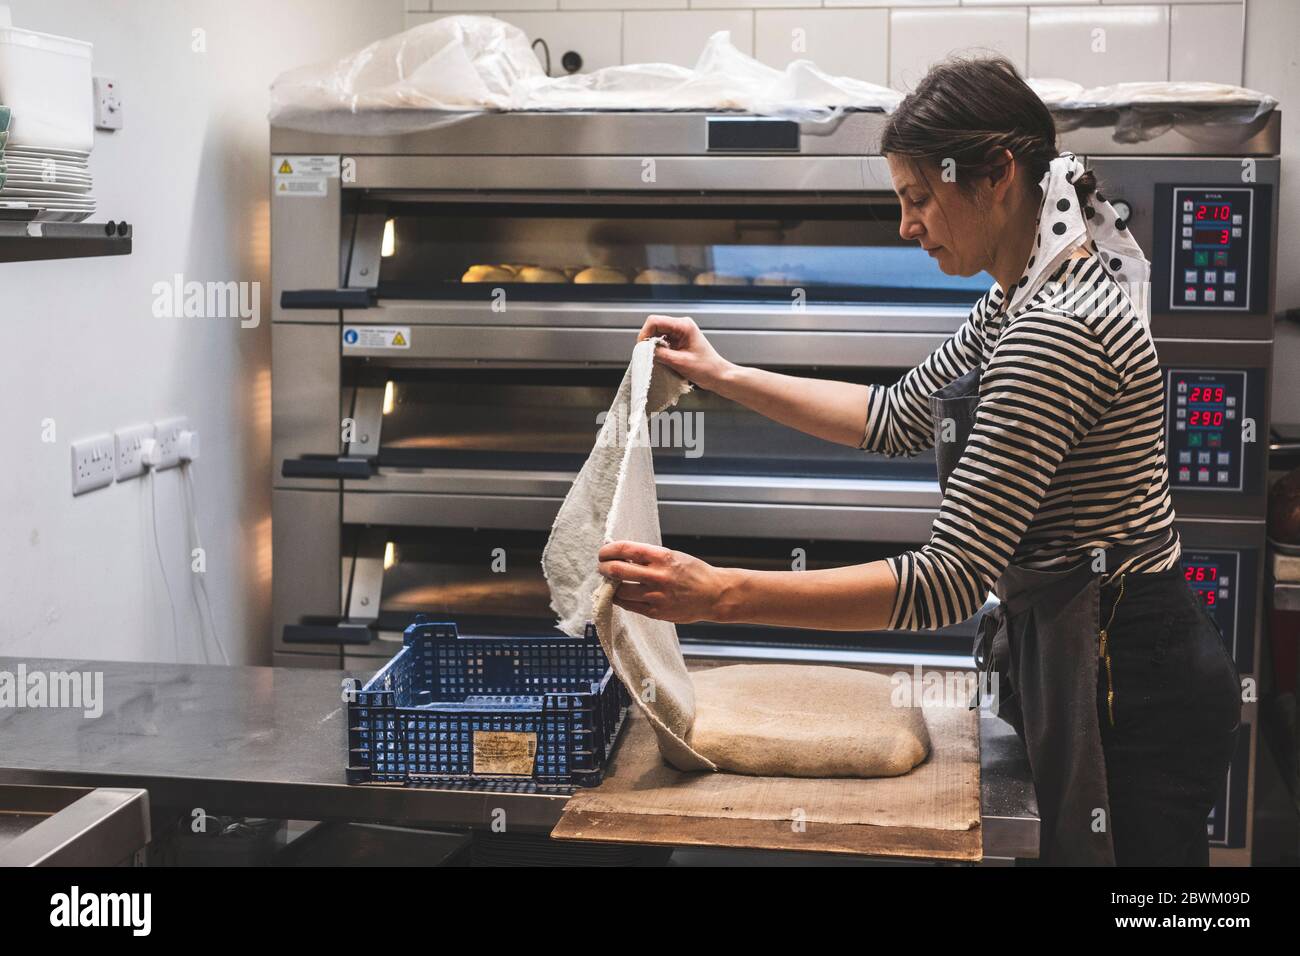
768	720
608	502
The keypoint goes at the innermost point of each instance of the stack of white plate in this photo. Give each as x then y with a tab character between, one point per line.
55	181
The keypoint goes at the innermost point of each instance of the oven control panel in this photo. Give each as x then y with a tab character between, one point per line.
1215	579
1211	262
1205	409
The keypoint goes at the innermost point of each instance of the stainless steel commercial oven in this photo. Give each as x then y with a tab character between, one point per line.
453	310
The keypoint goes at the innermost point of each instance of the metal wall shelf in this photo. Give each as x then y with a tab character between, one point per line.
29	241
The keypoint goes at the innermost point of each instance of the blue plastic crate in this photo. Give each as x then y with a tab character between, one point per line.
447	707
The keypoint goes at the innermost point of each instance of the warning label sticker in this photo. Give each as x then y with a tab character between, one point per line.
376	337
303	175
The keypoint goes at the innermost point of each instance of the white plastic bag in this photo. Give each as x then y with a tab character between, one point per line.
457	66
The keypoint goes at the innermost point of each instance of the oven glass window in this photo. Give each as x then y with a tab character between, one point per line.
672	249
539	419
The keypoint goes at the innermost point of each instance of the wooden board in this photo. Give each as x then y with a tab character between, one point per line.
933	812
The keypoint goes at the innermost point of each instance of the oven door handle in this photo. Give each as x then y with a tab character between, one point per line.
336	632
327	466
327	299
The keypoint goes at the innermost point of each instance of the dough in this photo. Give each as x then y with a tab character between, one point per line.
715	278
487	274
600	275
794	720
538	274
778	720
661	277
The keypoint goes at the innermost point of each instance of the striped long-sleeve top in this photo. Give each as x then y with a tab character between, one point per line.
1067	452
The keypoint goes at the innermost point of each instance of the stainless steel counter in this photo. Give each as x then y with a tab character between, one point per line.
271	742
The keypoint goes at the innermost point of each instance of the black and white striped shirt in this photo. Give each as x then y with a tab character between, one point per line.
1067	453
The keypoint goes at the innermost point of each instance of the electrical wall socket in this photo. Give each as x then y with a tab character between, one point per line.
92	463
130	460
168	434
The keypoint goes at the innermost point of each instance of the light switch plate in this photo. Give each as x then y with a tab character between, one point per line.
92	463
130	460
168	434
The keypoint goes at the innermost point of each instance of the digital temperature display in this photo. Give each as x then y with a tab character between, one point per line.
1213	212
1212	237
1207	406
1203	579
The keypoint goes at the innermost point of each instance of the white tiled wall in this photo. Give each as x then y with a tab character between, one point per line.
892	42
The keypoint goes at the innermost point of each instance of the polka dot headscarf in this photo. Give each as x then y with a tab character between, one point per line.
1063	227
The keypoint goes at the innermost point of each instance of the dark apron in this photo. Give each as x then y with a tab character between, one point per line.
1038	651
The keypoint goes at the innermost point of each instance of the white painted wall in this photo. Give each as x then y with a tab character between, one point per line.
80	577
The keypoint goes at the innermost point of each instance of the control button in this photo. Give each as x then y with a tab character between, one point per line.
1194	439
1220	258
1187	205
1209	295
1182	400
1231	401
1236	231
1202	457
1229	295
1203	474
1187	243
1182	387
1184	474
1187	219
1223	593
1224	457
1214	439
1222	477
1189	275
1230	414
1184	458
1202	258
1181	413
1180	426
1189	293
1230	277
1223	581
1236	219
1211	275
1187	231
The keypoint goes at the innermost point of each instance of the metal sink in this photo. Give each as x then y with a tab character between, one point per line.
71	826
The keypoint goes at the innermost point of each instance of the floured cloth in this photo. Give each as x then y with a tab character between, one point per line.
778	720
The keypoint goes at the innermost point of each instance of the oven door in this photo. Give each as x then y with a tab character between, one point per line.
489	581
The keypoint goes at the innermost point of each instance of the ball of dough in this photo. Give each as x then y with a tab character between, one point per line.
487	274
717	278
660	277
790	720
539	274
600	275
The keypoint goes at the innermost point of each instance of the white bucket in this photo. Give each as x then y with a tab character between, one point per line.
46	81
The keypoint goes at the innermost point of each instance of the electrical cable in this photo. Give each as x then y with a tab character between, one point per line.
162	567
191	506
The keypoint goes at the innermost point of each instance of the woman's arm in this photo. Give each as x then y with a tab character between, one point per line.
893	420
834	411
673	586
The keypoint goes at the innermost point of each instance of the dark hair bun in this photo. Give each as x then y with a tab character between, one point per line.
1084	187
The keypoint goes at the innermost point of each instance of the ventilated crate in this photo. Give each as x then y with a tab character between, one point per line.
546	709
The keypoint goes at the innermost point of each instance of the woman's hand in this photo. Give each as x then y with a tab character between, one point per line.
661	583
688	352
